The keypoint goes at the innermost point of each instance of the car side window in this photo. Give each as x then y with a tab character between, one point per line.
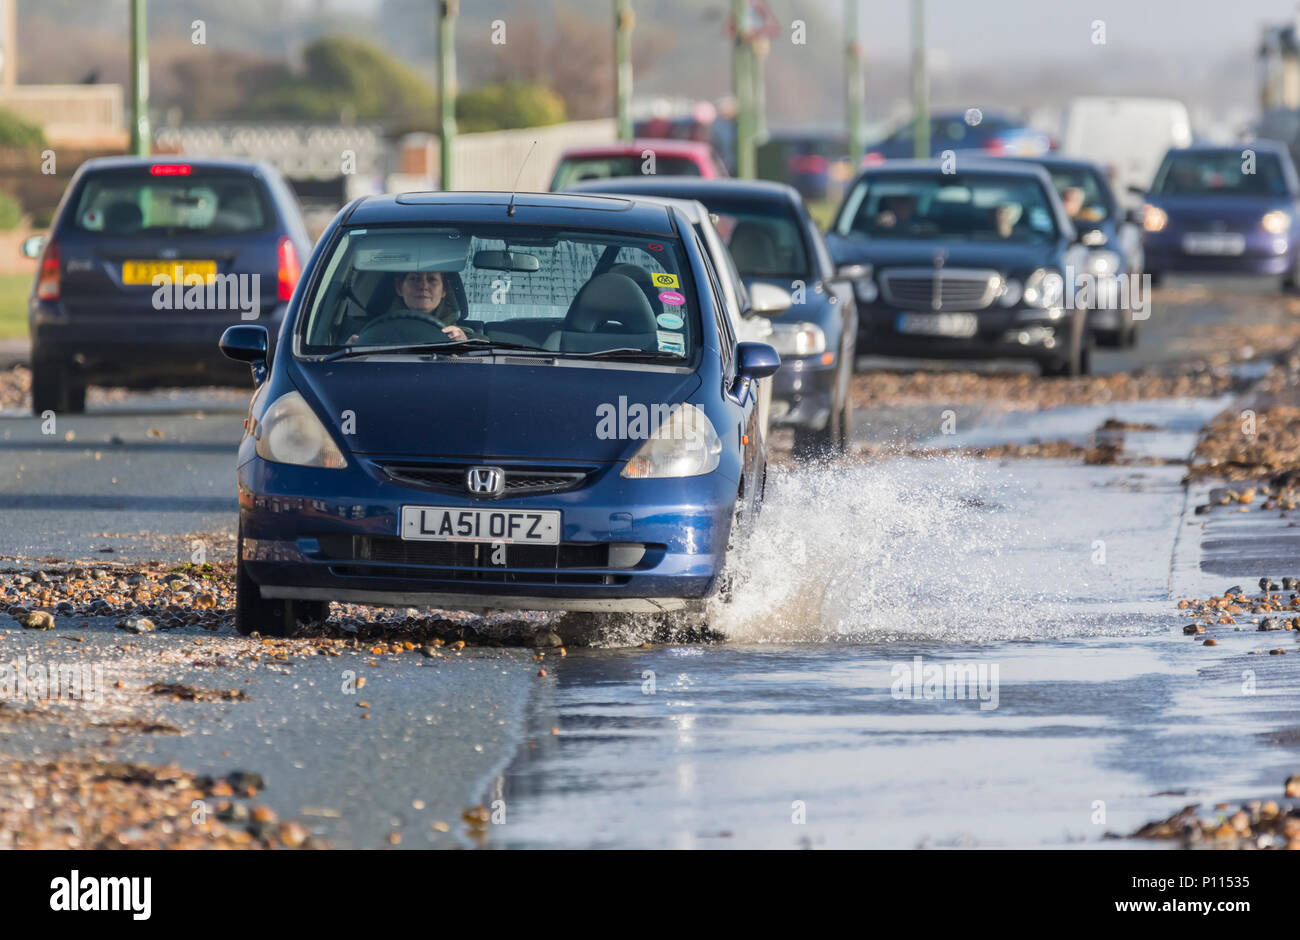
726	335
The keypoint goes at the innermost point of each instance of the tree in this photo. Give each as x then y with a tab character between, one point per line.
345	75
508	104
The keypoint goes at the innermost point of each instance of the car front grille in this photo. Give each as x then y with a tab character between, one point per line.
451	478
395	558
923	289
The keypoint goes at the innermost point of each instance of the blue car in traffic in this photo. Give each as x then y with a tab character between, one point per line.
1227	210
995	135
473	404
774	241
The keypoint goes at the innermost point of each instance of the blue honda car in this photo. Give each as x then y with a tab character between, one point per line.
473	404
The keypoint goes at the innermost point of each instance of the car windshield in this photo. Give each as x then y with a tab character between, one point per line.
764	239
187	200
520	287
576	169
962	207
1082	193
1220	173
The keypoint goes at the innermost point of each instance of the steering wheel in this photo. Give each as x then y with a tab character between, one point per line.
401	327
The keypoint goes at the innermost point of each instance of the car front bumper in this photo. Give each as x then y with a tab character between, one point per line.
1001	333
803	392
1262	254
318	534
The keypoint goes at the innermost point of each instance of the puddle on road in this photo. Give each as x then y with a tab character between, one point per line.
1052	577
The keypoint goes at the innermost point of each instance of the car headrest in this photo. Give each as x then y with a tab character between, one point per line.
610	298
752	247
643	280
123	217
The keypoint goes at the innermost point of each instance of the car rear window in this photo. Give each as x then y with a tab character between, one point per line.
138	202
538	287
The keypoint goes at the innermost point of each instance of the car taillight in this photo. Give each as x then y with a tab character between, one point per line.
47	282
874	158
995	145
170	169
289	268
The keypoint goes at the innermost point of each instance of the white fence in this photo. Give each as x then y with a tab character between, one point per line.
492	160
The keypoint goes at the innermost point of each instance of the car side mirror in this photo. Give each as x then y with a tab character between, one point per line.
756	360
247	344
32	246
768	300
1138	191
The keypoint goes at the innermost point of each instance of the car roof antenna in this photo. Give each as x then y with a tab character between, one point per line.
510	209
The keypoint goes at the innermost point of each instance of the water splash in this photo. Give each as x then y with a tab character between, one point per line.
905	548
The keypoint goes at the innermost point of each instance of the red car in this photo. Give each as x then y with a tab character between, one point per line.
644	157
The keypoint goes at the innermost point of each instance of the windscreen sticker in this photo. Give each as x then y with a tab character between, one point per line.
669	321
655	246
671	342
672	298
665	280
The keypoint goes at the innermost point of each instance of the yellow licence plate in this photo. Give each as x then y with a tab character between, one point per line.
143	272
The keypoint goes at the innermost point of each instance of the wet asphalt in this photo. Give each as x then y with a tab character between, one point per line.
791	733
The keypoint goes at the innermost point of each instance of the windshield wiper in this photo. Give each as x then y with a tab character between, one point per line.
468	345
625	352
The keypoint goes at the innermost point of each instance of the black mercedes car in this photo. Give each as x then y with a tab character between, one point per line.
971	264
774	242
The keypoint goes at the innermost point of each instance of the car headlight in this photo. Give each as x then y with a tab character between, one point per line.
1154	219
1103	263
797	339
1044	288
1275	222
685	445
1011	293
290	432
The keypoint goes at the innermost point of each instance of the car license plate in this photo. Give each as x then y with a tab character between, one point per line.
938	324
143	272
1214	243
444	524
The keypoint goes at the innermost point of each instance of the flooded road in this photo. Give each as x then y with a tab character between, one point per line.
921	651
1079	707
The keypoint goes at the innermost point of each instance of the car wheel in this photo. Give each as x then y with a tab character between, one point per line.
1109	338
1156	277
1130	337
256	614
55	387
1077	362
845	430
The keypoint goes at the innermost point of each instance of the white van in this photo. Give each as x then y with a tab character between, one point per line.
1127	137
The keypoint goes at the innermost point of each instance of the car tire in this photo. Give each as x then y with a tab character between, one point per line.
57	388
812	444
1077	362
1129	339
1157	278
256	614
845	429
